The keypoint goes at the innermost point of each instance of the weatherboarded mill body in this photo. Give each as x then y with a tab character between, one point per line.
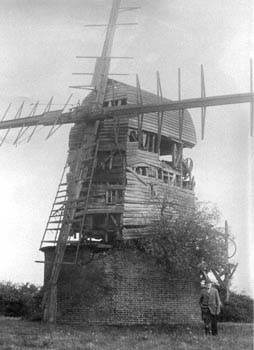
119	172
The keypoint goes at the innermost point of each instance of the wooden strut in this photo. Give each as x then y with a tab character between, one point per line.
54	128
65	229
82	114
111	25
160	115
23	130
181	121
181	111
116	123
4	115
141	115
17	116
203	108
111	57
6	112
252	99
102	65
229	268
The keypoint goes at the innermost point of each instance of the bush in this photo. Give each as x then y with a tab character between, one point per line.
239	308
20	300
182	244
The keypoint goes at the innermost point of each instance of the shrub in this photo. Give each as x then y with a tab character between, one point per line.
239	308
181	244
20	300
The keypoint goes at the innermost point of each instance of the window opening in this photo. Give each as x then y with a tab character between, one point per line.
105	104
114	196
151	172
153	193
133	136
141	170
165	176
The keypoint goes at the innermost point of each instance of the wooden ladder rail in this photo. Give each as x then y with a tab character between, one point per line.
50	301
59	189
87	197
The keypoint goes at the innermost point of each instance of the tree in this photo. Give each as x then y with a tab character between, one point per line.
20	300
184	243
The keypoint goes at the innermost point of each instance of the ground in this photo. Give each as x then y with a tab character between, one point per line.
16	334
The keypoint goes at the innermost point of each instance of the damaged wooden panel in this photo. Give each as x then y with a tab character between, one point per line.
144	201
131	174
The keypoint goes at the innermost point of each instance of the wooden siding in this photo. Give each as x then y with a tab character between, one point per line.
113	135
144	195
119	162
170	126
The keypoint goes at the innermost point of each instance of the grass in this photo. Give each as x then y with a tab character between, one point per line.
16	334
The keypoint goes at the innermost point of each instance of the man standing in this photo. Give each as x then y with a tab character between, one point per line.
210	307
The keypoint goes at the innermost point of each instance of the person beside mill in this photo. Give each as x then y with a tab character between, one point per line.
210	304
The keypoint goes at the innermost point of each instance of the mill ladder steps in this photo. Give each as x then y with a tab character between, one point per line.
63	216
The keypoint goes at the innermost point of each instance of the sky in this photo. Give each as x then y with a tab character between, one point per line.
39	42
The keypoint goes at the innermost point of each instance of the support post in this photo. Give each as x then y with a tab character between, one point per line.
181	119
100	77
203	108
252	102
226	278
160	114
140	116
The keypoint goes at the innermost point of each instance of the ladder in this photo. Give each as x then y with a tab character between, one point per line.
53	226
65	204
63	216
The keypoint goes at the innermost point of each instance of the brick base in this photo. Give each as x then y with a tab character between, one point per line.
122	288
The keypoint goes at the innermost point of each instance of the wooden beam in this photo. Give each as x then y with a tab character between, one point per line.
102	66
136	175
83	114
217	276
203	108
251	102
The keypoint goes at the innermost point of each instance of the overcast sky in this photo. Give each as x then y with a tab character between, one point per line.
39	41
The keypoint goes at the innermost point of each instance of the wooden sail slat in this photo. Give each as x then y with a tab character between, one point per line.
127	111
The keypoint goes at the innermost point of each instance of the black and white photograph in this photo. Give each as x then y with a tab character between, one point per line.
126	174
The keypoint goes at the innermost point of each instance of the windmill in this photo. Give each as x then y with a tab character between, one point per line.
107	107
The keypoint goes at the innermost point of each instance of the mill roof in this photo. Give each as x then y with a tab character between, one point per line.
170	128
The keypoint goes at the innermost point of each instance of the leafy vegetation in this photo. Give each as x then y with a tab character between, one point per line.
239	308
181	244
20	300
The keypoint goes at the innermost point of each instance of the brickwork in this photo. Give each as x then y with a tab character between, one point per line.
122	288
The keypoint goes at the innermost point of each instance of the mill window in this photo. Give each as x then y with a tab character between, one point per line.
117	102
151	172
133	135
141	170
149	141
114	196
165	176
